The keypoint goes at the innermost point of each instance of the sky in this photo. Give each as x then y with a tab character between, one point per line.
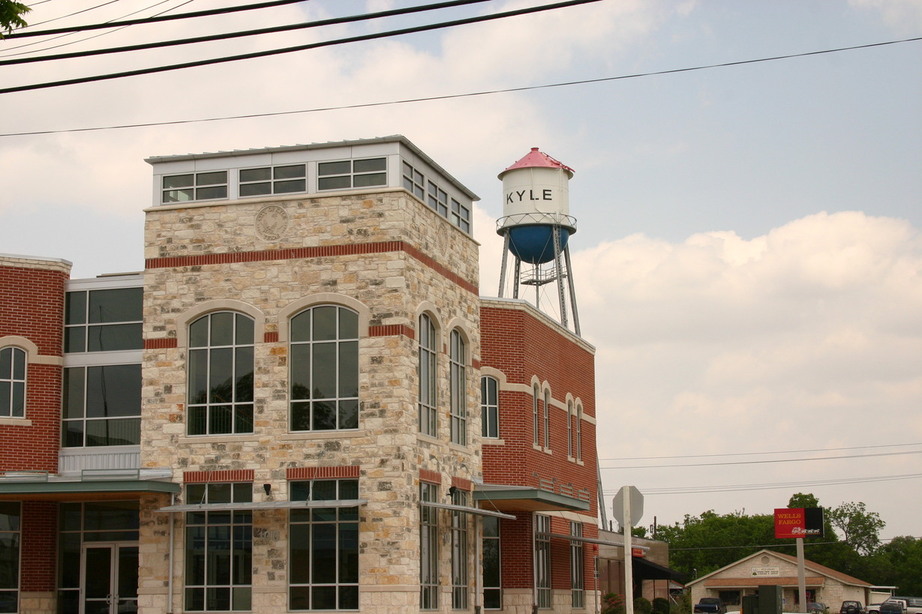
748	254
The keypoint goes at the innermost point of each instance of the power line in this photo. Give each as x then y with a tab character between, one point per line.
509	90
891	445
243	33
271	52
765	461
690	490
147	20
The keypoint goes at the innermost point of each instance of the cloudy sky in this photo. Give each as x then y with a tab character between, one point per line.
748	258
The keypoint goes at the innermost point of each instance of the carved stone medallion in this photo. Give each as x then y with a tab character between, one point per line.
271	222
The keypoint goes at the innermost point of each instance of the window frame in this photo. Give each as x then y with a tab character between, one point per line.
427	373
543	571
313	343
428	548
577	567
86	394
547	419
242	412
15	380
579	432
457	359
489	407
239	525
79	324
460	552
355	174
11	533
536	421
195	187
492	595
273	182
343	520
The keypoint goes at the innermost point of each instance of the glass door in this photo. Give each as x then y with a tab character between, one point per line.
109	578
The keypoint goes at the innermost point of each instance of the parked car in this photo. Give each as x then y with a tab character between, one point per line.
851	607
710	605
817	607
892	607
873	608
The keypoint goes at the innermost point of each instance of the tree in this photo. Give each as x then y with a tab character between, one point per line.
901	565
803	500
860	528
11	16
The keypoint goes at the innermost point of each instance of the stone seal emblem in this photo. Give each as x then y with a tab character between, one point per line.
271	222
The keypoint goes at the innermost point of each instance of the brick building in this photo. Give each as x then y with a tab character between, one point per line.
301	404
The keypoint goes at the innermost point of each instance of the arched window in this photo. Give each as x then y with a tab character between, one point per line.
570	432
220	396
489	406
428	423
547	419
324	363
458	389
536	426
579	432
12	382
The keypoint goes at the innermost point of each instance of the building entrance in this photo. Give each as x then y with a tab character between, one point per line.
109	578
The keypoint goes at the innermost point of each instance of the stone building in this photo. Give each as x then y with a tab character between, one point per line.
301	404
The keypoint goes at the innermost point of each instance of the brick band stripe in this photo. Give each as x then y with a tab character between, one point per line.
160	343
293	253
229	475
428	475
389	330
315	473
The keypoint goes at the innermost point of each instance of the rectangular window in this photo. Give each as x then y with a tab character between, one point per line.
428	414
492	576
194	186
10	539
438	200
543	560
428	548
324	547
102	406
219	550
12	382
413	181
460	216
489	407
348	174
103	320
577	588
459	555
458	388
273	180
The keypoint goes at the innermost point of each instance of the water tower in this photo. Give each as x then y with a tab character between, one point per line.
536	227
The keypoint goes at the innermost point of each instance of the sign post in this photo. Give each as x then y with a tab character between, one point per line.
628	506
798	522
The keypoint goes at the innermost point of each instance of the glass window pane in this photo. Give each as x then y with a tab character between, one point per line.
123	432
198	376
288	172
198	422
301	416
324	415
255	189
324	323
212	178
292	185
349	369
243	419
323	380
220	419
198	333
178	196
120	305
114	337
300	371
244	382
334	168
374	164
324	547
75	308
75	339
255	174
245	328
219	380
372	179
73	392
113	390
222	328
348	324
301	327
211	192
178	181
334	183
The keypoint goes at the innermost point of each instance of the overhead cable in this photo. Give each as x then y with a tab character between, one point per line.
243	33
886	445
146	20
691	490
508	90
765	461
271	52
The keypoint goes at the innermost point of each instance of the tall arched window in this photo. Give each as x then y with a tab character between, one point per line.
428	422
570	429
12	382
324	364
489	406
220	396
579	432
458	377
547	419
536	426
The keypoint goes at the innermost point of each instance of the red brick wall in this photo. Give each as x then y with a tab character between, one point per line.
32	306
37	555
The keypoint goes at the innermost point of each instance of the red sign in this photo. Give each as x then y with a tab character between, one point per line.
798	522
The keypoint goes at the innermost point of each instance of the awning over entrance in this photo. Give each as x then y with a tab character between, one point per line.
648	570
526	499
82	490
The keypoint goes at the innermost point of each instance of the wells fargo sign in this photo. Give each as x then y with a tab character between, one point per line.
798	522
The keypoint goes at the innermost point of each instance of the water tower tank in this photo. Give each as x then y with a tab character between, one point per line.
535	200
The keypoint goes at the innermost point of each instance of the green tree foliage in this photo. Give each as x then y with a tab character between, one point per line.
899	564
859	528
11	16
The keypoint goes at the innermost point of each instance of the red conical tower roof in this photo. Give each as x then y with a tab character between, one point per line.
538	159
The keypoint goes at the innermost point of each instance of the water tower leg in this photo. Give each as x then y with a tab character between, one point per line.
566	255
517	270
502	271
560	293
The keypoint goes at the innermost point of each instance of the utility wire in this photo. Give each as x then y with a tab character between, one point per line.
509	90
688	490
243	33
146	20
765	462
86	10
271	52
890	445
